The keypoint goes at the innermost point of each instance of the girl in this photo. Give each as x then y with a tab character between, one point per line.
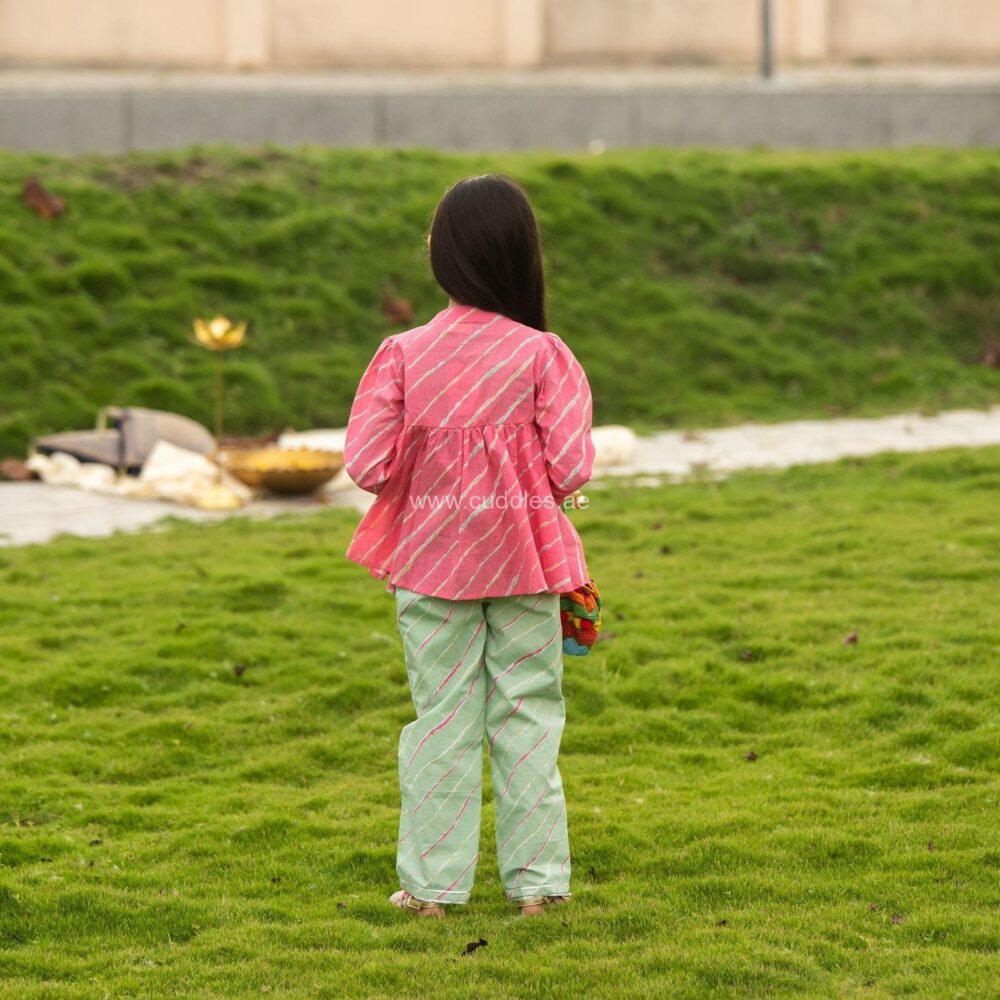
471	430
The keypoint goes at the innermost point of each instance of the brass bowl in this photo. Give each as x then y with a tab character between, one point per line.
288	471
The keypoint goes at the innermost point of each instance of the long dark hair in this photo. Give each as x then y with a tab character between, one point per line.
486	251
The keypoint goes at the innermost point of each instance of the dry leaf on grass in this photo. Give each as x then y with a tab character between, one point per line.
41	201
991	355
397	311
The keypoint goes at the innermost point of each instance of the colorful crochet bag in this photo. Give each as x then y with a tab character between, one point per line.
580	611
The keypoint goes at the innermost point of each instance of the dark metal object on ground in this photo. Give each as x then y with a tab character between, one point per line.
125	436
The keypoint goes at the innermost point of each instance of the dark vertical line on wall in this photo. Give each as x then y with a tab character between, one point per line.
766	39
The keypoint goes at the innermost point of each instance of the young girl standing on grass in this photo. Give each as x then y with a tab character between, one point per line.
471	430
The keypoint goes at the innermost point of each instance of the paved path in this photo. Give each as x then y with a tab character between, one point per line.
32	512
677	454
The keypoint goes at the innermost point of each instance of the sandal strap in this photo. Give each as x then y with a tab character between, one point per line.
539	901
413	903
529	901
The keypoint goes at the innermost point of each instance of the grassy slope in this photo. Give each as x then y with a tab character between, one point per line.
698	288
169	829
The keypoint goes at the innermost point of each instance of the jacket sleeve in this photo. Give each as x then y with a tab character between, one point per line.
563	416
376	419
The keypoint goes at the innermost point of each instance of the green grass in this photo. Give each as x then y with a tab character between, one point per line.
168	828
698	288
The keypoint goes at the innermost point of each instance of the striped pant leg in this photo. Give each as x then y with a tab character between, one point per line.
525	715
441	751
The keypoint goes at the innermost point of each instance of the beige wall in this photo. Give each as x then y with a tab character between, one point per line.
287	34
179	32
728	31
915	29
650	30
387	33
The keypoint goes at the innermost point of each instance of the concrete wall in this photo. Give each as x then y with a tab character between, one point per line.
488	117
292	34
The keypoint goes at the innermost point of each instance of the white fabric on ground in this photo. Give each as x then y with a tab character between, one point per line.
169	473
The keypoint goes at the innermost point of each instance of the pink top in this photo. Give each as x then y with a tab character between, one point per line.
471	430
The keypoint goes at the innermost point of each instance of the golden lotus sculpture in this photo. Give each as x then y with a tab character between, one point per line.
217	335
288	471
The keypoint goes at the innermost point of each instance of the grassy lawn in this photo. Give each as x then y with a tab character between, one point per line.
197	743
698	288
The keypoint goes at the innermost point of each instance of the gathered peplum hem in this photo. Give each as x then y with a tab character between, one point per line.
470	513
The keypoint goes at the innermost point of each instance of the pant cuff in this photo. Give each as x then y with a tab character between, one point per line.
552	889
443	896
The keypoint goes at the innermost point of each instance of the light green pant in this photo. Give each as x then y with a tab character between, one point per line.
492	668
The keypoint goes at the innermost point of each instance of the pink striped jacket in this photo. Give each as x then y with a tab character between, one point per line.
471	430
